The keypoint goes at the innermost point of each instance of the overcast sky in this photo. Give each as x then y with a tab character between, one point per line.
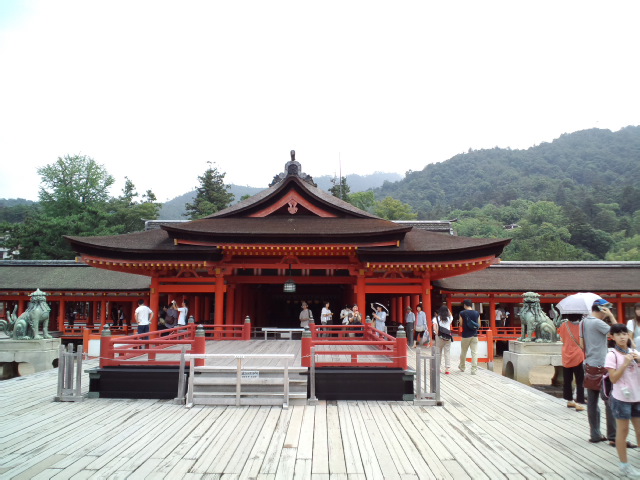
155	89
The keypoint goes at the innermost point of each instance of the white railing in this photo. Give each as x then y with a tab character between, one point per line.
427	387
191	358
68	364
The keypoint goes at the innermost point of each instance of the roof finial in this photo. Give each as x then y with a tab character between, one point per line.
293	155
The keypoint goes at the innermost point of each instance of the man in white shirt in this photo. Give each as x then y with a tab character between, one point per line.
143	315
182	313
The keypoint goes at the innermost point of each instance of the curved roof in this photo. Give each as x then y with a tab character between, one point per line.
293	211
539	277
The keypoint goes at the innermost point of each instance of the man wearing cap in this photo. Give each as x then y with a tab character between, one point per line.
594	332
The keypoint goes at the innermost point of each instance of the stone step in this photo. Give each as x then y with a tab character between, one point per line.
201	381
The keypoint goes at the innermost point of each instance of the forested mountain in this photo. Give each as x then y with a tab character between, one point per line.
174	209
590	166
576	198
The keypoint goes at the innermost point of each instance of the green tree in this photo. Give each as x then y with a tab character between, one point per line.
392	209
128	214
363	200
211	196
340	188
627	249
74	200
71	183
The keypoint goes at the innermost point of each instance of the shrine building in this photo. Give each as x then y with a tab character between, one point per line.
293	242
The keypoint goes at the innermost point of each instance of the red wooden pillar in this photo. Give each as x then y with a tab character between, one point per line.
620	308
426	300
20	306
197	308
399	313
154	302
61	314
231	305
415	300
406	302
361	297
219	306
103	313
492	313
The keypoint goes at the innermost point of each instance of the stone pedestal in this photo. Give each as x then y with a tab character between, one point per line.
30	355
523	356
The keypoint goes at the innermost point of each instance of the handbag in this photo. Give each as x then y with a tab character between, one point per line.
593	377
420	328
445	333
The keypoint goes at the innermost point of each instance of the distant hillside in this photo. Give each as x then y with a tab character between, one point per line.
174	209
586	166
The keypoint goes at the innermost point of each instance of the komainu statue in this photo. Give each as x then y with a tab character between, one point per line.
535	321
27	325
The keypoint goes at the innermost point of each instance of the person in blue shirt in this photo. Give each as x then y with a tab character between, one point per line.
470	323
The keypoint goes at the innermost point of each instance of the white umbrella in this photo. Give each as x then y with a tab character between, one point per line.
376	304
577	303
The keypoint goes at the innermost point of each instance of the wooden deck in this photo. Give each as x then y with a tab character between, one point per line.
487	429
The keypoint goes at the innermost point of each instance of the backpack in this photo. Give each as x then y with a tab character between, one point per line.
607	385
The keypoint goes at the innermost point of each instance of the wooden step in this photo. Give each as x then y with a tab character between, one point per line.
226	369
244	401
248	394
246	381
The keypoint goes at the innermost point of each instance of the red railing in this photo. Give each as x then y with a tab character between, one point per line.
394	349
131	349
484	336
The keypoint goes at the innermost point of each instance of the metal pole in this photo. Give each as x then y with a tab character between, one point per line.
79	372
238	381
181	383
313	400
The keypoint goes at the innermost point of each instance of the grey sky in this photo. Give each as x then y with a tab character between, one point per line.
155	89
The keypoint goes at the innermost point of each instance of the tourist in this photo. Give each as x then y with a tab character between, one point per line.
171	320
325	316
572	359
634	325
421	327
594	330
442	331
183	311
305	316
143	316
501	316
624	373
409	322
356	320
161	319
380	317
345	315
469	322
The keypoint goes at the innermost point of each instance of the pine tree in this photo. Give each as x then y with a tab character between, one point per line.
340	188
211	196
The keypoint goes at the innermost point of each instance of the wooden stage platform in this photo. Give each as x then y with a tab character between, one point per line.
487	429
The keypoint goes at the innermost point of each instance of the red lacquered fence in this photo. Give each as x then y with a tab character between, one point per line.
132	349
327	340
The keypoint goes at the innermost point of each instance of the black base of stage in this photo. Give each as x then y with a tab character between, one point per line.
347	383
332	383
160	382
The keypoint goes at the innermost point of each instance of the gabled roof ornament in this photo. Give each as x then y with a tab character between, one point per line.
293	168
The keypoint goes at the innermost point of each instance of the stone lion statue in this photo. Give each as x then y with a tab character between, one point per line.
535	321
27	325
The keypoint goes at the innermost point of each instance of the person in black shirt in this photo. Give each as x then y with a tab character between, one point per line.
470	323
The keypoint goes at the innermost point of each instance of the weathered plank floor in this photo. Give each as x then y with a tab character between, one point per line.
487	429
